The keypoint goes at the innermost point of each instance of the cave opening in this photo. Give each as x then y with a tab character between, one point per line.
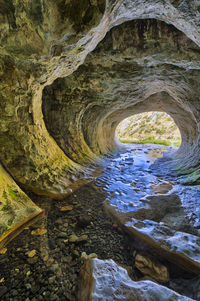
149	128
65	87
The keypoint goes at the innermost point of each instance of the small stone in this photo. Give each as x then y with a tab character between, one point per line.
14	292
62	235
94	237
31	253
35	289
3	290
67	259
59	221
66	208
76	253
46	258
33	260
55	267
84	256
28	286
52	279
39	231
83	238
73	238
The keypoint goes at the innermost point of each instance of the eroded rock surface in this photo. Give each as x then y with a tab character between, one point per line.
150	267
105	280
166	222
181	248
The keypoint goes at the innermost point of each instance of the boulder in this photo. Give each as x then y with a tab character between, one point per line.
150	267
105	280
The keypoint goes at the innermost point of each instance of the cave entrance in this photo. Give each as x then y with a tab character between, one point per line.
149	128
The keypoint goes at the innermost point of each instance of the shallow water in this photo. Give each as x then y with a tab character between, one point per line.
125	180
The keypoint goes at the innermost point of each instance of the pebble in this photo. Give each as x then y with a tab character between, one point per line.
73	238
39	231
3	290
84	256
31	253
66	208
52	279
63	235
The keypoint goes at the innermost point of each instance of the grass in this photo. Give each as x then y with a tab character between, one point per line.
151	140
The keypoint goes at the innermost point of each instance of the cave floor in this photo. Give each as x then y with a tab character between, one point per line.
44	265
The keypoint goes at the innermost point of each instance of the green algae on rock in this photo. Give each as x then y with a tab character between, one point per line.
16	209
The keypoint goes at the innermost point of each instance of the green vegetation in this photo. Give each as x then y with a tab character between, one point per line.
151	140
151	127
12	193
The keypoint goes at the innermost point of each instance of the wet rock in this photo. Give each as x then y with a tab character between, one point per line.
105	280
162	188
150	267
159	206
181	248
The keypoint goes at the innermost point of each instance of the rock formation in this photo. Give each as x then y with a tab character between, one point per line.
69	76
105	280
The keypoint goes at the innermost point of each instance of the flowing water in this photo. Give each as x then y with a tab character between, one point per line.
45	266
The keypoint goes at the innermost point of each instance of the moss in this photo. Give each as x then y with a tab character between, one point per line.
7	206
13	193
77	49
3	229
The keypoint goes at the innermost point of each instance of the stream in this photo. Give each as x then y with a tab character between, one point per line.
44	261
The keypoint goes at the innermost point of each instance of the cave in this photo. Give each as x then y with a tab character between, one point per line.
71	71
148	127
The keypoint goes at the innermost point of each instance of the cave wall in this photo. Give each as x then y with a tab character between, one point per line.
68	76
139	66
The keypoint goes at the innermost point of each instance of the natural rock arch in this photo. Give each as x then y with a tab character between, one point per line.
138	67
